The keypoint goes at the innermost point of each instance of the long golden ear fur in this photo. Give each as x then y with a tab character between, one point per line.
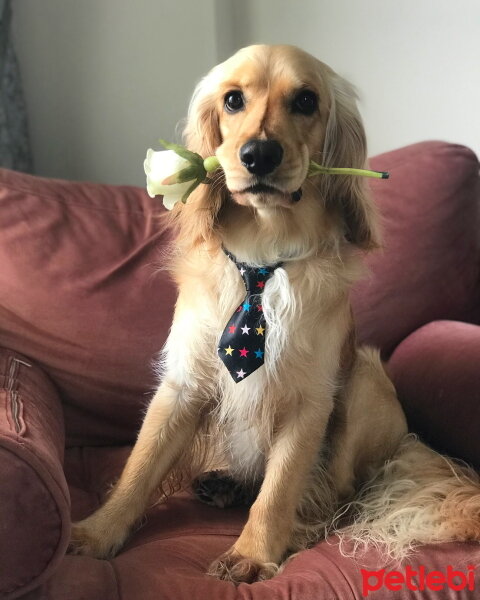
202	130
195	221
345	146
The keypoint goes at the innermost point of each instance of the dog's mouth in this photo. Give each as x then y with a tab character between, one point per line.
265	188
261	188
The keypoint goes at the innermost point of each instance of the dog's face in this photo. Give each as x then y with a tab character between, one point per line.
266	112
272	106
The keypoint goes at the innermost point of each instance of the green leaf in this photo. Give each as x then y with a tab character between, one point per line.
194	185
187	174
192	157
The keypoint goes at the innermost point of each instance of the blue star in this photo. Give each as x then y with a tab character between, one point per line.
246	306
258	354
263	271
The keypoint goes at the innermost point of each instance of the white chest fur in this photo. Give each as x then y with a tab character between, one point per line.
298	302
242	406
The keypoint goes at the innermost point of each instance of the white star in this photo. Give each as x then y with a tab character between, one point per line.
245	329
241	374
242	271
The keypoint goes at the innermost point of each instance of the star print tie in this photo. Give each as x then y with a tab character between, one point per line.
242	345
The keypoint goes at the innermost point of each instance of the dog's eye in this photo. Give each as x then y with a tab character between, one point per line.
305	102
234	101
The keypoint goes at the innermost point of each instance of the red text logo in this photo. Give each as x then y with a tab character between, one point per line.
417	580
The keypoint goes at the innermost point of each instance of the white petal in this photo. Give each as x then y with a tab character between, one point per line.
158	166
170	199
177	189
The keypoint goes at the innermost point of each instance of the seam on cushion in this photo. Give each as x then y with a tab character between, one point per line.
7	411
116	579
16	409
194	533
337	568
13	402
57	198
181	536
58	528
86	477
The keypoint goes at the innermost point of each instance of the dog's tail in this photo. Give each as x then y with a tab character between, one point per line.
418	497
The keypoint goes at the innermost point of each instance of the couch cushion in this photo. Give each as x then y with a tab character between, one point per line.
81	295
430	266
436	371
167	558
34	501
174	569
80	292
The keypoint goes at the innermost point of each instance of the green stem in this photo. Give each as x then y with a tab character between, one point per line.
315	169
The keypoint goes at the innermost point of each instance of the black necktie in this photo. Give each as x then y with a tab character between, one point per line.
242	345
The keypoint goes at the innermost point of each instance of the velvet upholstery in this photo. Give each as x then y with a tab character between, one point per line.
430	264
34	498
83	302
436	371
80	296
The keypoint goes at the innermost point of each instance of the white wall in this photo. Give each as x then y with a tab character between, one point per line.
416	63
104	79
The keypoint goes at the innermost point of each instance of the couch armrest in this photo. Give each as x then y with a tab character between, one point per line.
34	500
437	376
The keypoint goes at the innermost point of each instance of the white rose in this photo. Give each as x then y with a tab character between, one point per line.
160	165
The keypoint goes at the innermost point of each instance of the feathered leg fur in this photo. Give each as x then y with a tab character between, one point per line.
392	491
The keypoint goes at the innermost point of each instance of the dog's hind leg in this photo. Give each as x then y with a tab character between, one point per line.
365	429
397	492
368	425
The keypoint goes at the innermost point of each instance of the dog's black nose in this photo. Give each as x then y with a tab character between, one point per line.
261	157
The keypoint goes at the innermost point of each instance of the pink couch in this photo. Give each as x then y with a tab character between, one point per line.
83	311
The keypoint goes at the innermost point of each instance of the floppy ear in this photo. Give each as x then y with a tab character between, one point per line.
345	146
196	220
202	130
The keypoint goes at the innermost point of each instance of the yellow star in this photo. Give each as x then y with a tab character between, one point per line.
229	350
260	330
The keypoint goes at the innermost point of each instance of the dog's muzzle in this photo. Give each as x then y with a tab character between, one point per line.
261	157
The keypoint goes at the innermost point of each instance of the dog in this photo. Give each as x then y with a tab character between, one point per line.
314	438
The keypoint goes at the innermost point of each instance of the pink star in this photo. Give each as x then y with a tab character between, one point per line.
231	329
244	352
260	308
260	284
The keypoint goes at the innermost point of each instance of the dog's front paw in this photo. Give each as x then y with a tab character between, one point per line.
236	568
90	538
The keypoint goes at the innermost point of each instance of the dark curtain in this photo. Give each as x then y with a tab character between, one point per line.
14	143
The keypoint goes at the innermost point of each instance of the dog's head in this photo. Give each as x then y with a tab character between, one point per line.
266	112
